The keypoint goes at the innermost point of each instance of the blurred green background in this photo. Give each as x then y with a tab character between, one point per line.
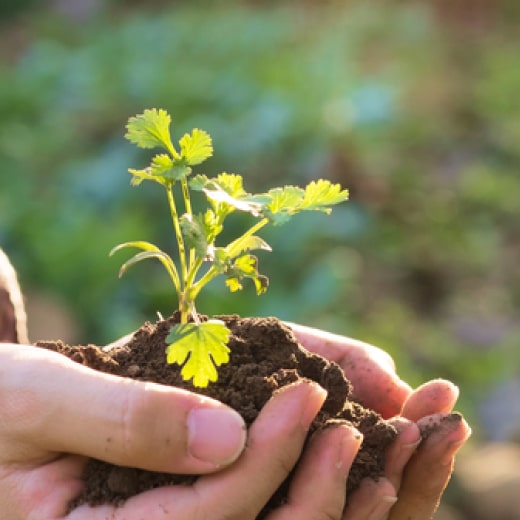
414	106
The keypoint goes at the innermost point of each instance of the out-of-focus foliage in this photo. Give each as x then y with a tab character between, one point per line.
420	119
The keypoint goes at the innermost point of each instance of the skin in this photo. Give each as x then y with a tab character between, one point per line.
54	413
45	437
418	471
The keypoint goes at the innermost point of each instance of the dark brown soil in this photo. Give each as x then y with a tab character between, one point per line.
264	357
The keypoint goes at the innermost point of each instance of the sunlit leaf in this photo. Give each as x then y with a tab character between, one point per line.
196	148
148	251
231	183
161	164
199	349
139	176
285	200
150	129
220	197
321	194
246	266
249	243
233	284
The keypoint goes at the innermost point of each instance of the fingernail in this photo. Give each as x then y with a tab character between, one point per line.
215	435
314	399
348	447
407	451
302	401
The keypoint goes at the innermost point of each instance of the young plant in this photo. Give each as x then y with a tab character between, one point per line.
201	346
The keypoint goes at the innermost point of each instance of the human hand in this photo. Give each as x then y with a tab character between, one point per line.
55	413
416	472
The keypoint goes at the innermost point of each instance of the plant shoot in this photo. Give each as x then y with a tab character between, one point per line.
199	347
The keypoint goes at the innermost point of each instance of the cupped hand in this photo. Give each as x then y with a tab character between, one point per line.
417	472
54	414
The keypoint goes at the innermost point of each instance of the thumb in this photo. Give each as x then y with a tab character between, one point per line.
49	405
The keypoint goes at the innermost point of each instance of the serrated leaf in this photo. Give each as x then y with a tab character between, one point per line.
161	164
233	284
281	203
246	266
285	200
150	129
198	182
226	194
161	168
196	148
199	349
231	183
321	194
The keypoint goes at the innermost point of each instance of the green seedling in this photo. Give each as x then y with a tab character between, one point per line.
201	346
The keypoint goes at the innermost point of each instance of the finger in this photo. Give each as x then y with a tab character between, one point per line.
13	318
333	346
318	487
428	472
50	404
42	492
371	501
401	450
437	396
274	444
370	369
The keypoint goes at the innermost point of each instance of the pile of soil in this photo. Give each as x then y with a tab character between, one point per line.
265	356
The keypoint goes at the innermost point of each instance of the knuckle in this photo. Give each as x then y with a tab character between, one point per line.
136	420
145	435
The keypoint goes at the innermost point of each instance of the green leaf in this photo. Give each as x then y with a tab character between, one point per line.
321	194
226	194
233	284
199	349
139	176
248	243
162	163
195	233
196	148
224	203
285	200
221	259
149	251
151	129
231	183
161	167
246	266
281	203
198	182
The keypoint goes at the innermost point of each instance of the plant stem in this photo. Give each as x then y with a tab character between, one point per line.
187	202
183	304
